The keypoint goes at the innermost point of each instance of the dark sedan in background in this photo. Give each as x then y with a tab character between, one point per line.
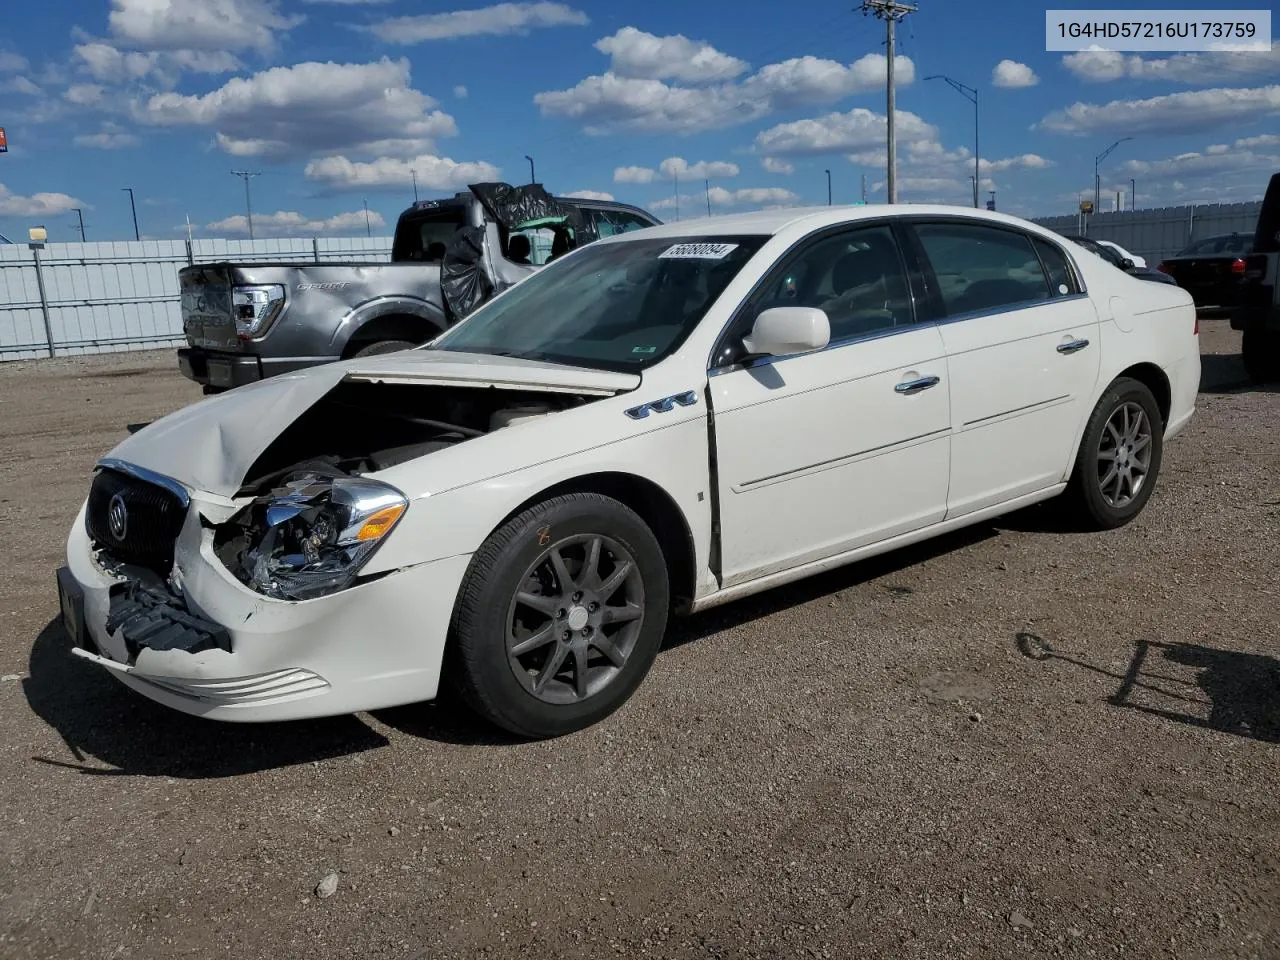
1211	269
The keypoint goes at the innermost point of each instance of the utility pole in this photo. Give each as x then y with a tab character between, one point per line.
1133	194
246	176
707	183
368	228
864	188
890	11
828	172
532	176
134	207
1097	177
80	214
675	177
414	173
970	94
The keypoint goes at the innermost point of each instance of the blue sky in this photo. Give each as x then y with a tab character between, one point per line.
336	101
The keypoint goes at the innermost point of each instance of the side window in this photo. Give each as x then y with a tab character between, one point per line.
856	278
982	268
1055	264
611	222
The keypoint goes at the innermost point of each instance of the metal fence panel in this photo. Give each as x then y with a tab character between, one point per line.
112	296
1163	231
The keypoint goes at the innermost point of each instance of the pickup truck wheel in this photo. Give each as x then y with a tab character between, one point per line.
1119	457
1260	350
384	346
560	616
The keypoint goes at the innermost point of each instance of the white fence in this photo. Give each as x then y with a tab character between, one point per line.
78	298
1163	231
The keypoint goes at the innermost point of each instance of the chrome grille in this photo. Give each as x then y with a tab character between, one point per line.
132	520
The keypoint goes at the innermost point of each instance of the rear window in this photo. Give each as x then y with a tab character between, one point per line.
423	236
1210	246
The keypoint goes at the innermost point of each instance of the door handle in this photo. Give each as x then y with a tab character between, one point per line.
1071	346
908	387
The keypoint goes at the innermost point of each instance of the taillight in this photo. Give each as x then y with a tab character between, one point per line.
1237	266
1164	268
1195	329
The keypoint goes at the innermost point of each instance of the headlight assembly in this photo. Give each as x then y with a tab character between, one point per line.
310	536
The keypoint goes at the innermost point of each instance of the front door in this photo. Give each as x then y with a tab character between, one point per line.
821	453
1022	345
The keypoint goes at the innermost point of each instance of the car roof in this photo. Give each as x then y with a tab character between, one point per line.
770	222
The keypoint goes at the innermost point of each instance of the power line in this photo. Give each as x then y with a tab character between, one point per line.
890	11
246	176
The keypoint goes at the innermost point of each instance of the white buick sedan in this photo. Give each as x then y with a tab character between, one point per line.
656	423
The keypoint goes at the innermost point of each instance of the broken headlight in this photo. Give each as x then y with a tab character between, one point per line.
255	308
310	536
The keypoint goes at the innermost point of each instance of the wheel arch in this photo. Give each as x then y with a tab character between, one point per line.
389	318
1155	380
655	507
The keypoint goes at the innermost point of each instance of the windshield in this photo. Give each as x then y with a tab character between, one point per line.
1233	243
615	306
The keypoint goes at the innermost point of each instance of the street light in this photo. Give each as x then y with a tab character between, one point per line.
1133	194
414	173
1097	177
828	188
970	94
532	177
80	213
134	207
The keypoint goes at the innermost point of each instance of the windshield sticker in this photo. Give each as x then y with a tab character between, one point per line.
644	349
698	251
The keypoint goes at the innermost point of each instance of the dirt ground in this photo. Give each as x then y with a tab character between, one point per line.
1016	741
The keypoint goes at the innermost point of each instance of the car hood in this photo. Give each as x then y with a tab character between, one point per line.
210	446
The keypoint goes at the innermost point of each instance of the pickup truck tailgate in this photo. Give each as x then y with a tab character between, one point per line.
207	319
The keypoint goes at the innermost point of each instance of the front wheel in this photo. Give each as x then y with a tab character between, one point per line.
1260	350
560	616
1119	457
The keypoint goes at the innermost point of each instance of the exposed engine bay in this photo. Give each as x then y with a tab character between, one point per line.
315	517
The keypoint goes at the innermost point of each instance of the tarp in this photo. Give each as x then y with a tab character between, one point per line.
463	280
524	207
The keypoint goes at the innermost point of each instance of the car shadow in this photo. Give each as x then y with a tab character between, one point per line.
1241	691
112	731
1224	373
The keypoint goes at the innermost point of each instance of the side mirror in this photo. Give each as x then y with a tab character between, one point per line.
1126	264
783	331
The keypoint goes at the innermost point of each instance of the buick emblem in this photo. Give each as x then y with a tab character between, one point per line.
118	517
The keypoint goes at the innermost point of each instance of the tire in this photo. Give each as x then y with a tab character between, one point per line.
383	346
1099	506
210	391
513	688
1260	350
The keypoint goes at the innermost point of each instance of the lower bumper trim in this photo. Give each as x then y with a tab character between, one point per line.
155	619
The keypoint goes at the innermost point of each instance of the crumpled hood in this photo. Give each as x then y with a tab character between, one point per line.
210	445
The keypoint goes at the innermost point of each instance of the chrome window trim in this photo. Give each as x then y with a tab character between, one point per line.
833	345
1009	308
147	476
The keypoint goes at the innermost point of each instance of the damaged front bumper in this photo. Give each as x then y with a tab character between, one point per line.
213	647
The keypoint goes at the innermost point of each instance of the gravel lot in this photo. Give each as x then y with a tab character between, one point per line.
1016	741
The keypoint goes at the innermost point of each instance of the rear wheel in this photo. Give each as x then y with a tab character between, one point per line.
1119	457
1260	350
384	346
560	616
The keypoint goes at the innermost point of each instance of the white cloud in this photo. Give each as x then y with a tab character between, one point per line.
633	175
1013	75
609	102
291	224
1262	140
347	3
460	92
634	53
777	165
19	84
215	25
108	64
36	205
84	94
1199	166
589	195
720	197
1104	66
1191	111
111	137
433	173
679	166
859	129
11	62
1026	161
499	19
311	108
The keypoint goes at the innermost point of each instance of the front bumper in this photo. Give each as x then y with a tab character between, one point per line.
224	371
375	645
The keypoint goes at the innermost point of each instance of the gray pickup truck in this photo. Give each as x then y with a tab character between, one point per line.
1257	312
244	322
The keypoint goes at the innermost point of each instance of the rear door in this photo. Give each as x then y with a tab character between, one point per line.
1022	347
